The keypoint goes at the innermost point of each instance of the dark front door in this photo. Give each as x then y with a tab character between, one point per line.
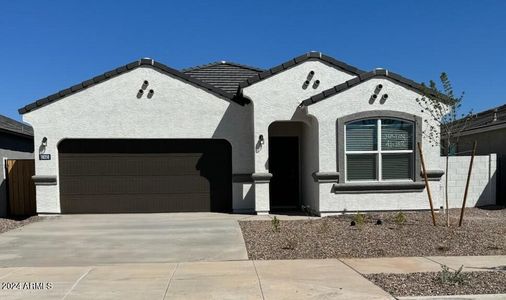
145	176
284	166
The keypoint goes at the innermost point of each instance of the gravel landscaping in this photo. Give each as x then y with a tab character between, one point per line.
9	224
429	284
483	233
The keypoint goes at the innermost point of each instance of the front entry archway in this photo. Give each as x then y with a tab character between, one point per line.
285	166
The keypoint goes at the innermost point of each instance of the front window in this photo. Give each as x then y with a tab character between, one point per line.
379	150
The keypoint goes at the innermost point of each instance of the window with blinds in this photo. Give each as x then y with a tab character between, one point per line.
379	149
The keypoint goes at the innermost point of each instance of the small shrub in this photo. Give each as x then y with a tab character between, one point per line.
448	277
400	218
275	224
359	218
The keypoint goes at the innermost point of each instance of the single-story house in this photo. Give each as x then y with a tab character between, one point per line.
16	142
312	132
488	129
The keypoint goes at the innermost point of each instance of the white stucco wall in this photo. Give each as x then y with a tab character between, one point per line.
353	100
482	186
112	110
276	99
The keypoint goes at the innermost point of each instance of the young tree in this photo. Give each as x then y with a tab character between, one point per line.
443	107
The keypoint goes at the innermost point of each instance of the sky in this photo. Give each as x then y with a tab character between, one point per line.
47	46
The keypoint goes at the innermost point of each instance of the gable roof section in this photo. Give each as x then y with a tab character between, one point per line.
12	126
298	60
123	69
378	73
223	74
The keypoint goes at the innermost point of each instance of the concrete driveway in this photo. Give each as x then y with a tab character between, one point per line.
83	240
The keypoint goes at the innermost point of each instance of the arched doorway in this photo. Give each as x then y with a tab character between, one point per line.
285	165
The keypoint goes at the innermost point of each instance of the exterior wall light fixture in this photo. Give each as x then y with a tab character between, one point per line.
260	143
42	150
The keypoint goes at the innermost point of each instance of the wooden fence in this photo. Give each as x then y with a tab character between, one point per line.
20	187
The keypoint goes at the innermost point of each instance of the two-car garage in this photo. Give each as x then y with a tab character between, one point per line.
145	175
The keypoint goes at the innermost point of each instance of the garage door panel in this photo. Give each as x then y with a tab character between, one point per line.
138	164
92	185
128	203
114	176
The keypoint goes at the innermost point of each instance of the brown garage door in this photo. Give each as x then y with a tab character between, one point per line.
123	176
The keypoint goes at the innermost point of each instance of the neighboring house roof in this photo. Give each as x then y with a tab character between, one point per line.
298	60
113	73
223	74
12	126
491	119
378	73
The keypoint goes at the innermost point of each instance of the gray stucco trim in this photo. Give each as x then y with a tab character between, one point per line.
434	175
44	179
261	177
377	114
378	73
326	177
242	178
144	62
379	187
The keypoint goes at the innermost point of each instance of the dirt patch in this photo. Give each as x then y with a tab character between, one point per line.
483	233
9	224
429	284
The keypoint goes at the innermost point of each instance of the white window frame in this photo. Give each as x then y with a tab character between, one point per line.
379	152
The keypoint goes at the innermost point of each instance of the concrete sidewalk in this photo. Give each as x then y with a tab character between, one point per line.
244	279
426	264
290	279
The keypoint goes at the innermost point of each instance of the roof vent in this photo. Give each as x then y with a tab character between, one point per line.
146	61
495	115
316	52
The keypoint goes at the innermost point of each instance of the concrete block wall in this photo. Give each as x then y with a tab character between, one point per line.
482	187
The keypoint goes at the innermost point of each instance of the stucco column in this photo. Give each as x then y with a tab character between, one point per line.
261	177
262	200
